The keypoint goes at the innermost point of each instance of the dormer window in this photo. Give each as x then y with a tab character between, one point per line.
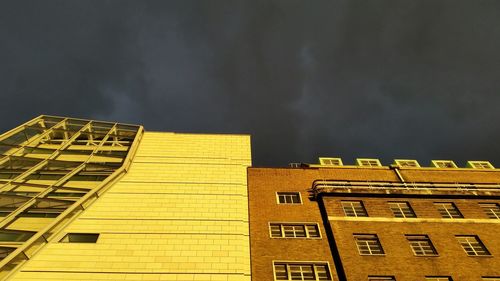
327	161
444	164
407	163
480	165
368	162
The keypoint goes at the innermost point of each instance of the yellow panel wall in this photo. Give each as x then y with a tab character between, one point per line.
180	213
29	224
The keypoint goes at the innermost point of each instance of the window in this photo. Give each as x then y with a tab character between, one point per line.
354	209
289	198
368	244
80	238
421	245
472	245
448	210
438	278
405	163
301	271
402	210
294	230
381	278
330	161
480	165
15	235
444	164
492	210
368	162
5	251
43	213
33	212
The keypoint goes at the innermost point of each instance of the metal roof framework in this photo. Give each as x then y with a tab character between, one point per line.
57	165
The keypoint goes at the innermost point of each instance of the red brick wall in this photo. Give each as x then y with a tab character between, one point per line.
263	183
399	259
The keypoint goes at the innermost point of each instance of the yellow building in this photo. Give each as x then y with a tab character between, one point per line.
89	200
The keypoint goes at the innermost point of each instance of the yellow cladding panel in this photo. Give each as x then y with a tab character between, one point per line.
177	187
30	224
30	276
180	213
183	173
178	146
162	253
79	184
168	206
159	226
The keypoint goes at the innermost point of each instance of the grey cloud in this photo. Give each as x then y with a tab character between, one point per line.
353	79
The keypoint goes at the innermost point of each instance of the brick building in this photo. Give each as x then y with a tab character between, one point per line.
92	200
372	222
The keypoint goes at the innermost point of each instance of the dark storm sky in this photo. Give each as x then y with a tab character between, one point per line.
385	79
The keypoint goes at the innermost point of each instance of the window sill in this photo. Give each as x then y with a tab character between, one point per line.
485	256
303	238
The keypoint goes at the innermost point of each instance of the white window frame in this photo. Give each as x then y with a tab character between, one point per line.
282	225
365	239
313	264
288	193
491	212
438	278
419	244
482	165
442	206
381	278
368	162
401	210
443	164
353	209
473	242
402	163
326	161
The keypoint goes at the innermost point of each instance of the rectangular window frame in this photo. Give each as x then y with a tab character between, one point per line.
401	211
466	241
282	226
314	264
420	245
444	164
446	210
288	193
363	212
480	165
327	161
67	238
407	163
491	212
381	278
438	278
365	238
368	162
